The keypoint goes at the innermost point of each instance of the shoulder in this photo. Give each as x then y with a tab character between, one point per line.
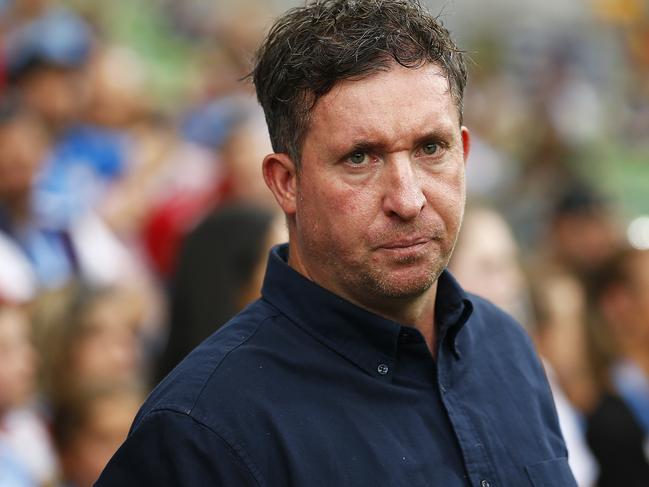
209	369
170	448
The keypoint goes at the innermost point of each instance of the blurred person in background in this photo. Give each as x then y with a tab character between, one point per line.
583	232
220	271
618	427
119	101
58	73
562	335
486	262
581	235
48	60
87	335
23	146
89	426
57	250
26	451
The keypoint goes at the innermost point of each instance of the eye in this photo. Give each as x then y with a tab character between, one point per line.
430	148
357	158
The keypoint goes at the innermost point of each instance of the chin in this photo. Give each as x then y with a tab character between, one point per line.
399	287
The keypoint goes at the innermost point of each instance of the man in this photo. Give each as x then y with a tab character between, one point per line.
364	363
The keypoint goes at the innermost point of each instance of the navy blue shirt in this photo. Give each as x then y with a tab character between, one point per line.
305	389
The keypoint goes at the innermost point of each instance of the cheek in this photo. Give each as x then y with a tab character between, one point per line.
87	360
335	207
356	218
447	200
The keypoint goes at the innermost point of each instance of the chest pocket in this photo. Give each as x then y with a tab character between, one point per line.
551	473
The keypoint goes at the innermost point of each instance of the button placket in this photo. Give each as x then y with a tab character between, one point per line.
464	429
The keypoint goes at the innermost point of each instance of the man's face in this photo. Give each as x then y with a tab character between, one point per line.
380	192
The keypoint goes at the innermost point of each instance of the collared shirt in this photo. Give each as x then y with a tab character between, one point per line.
305	389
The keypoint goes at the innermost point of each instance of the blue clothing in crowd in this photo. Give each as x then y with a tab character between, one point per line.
83	163
304	388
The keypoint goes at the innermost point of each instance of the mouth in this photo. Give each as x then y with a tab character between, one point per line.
406	251
410	243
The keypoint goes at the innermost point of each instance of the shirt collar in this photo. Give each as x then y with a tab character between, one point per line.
362	337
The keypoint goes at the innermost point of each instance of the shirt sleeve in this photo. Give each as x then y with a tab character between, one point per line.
170	448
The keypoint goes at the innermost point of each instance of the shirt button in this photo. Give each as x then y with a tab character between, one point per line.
485	483
383	369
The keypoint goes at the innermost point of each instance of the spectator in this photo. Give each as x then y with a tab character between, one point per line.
26	453
618	428
582	234
88	335
58	249
45	60
583	231
47	64
23	145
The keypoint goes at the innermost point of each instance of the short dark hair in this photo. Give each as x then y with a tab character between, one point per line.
310	49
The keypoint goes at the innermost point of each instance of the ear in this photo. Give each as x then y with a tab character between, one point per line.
280	175
466	142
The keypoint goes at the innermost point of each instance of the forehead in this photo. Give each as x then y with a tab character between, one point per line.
388	105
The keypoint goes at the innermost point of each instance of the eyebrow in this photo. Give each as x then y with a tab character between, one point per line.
374	146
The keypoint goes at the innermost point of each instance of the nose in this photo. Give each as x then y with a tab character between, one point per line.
403	195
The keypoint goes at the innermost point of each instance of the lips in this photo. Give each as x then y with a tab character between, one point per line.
405	243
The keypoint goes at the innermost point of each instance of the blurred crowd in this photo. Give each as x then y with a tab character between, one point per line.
134	221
